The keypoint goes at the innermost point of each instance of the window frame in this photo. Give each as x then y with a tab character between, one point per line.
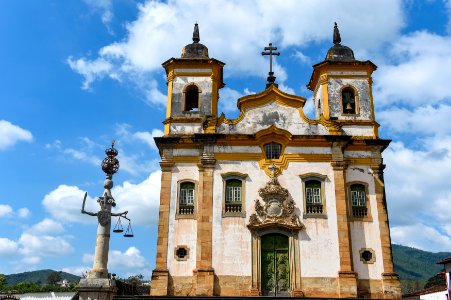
186	257
178	215
186	89
356	100
272	143
368	217
234	176
321	179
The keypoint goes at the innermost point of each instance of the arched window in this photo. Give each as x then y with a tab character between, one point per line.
358	200
191	98
186	198
272	150
348	101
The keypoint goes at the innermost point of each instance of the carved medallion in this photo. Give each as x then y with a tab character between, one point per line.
278	208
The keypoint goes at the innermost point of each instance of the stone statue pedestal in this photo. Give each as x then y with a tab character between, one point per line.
96	289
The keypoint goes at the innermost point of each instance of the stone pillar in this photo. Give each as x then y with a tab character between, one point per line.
256	260
160	275
295	266
204	273
347	278
390	280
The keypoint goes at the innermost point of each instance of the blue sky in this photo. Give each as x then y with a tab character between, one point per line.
76	74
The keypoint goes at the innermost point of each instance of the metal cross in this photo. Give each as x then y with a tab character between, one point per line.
269	49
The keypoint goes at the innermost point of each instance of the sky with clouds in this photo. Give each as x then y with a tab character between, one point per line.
76	74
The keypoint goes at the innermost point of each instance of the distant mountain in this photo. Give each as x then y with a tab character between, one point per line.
39	277
415	264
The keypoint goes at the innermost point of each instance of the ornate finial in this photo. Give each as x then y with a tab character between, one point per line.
110	164
196	37
337	37
271	77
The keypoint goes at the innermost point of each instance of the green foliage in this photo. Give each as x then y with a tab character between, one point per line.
54	278
37	277
415	266
2	281
136	279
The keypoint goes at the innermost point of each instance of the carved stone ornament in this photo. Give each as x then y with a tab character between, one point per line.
104	217
277	211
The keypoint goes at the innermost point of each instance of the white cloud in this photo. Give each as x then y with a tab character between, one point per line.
419	72
228	99
43	245
88	258
104	7
64	204
7	247
23	213
11	134
421	236
91	70
238	43
140	200
5	210
83	156
128	263
31	260
422	120
78	270
46	226
417	182
147	137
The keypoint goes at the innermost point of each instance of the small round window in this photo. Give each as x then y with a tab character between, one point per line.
181	253
367	256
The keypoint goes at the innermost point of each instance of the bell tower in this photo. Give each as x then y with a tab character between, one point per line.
342	87
193	82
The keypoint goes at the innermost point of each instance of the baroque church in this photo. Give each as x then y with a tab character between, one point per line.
273	202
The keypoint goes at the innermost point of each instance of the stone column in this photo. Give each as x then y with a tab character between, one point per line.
204	273
390	280
256	260
347	278
160	275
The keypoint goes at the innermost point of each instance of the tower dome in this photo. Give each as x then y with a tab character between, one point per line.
339	52
195	49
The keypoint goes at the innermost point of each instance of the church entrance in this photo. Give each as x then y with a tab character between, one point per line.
275	266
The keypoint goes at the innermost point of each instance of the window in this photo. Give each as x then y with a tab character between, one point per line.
348	101
313	197
358	201
191	98
314	194
272	150
186	198
234	194
367	255
181	253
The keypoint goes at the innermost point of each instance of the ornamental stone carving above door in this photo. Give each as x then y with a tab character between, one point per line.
277	210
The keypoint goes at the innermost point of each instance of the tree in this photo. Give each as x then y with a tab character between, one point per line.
54	278
136	279
3	281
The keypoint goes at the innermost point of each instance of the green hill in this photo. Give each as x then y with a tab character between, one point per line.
415	264
39	277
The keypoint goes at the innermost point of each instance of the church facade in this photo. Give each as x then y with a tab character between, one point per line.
273	202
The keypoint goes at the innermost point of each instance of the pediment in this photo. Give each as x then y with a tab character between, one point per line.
271	94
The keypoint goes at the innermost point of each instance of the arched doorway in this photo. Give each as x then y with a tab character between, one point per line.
275	265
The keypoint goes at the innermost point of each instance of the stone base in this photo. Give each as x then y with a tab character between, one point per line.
391	286
255	292
159	283
297	293
347	284
204	282
96	289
